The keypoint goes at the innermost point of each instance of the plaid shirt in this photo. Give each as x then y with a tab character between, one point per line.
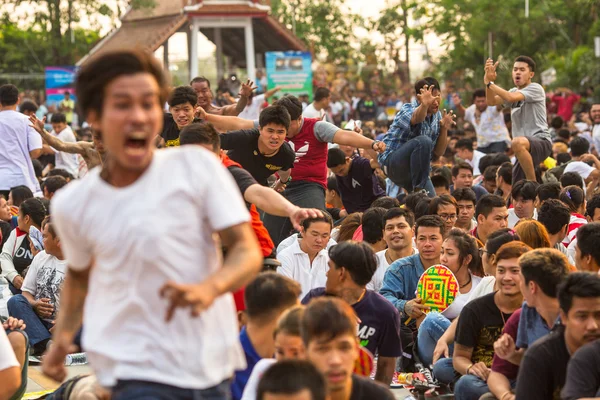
401	131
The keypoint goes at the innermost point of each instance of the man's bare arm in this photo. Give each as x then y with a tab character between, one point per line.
224	123
385	369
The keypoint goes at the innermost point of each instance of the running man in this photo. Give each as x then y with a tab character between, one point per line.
201	86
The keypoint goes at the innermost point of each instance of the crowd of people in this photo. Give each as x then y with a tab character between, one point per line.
258	250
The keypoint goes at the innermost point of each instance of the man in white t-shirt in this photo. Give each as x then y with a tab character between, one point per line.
318	108
40	301
18	145
465	151
398	235
135	269
63	132
595	118
580	155
306	260
255	102
10	370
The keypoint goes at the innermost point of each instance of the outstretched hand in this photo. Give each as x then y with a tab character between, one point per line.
37	124
200	113
300	214
247	88
490	71
426	96
447	120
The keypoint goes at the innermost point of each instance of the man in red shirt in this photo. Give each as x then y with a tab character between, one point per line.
565	99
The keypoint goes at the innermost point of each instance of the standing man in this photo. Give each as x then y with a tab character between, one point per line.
595	117
67	106
419	132
63	132
19	145
531	139
181	101
320	105
492	134
201	86
147	268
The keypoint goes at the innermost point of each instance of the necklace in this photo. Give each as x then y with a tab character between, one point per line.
501	313
388	258
361	296
469	281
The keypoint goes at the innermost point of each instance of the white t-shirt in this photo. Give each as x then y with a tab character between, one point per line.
257	372
491	127
295	264
64	160
513	219
382	266
139	237
580	168
290	240
252	110
485	286
477	156
596	137
312	112
17	139
44	279
7	355
461	300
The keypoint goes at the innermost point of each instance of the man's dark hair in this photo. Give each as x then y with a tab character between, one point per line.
591	206
505	172
38	168
465	194
372	224
526	190
9	95
292	104
357	257
429	81
35	209
578	284
466	144
550	190
58	118
276	115
398	212
98	73
563	158
422	207
28	105
554	215
557	122
326	318
440	181
458	166
588	238
478	93
200	79
181	95
290	377
61	172
321	93
579	146
386	202
325	218
431	221
499	238
48	222
443	200
489	174
571	179
546	267
413	199
269	294
19	194
332	184
335	157
564	134
528	60
53	183
487	203
487	161
200	133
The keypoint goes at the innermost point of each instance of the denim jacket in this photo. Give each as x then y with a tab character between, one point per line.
400	281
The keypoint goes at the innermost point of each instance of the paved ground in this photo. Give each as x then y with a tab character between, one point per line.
38	382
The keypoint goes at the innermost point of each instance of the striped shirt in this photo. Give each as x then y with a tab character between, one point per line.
576	221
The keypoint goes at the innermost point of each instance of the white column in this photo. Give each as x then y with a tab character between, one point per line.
219	53
194	48
249	39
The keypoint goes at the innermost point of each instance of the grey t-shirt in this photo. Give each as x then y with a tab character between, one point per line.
324	131
529	115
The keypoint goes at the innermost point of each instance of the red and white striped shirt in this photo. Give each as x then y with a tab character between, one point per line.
576	221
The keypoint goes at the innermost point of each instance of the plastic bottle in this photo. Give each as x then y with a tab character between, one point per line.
76	359
405	379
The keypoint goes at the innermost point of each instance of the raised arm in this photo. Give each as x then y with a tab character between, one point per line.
224	123
490	76
245	91
356	139
271	92
426	98
56	143
446	123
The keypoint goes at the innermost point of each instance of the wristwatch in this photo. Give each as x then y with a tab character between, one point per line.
490	83
374	143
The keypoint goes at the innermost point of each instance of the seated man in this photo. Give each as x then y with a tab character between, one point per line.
329	335
10	370
305	261
462	177
465	151
580	156
440	185
356	179
543	370
292	379
546	191
583	379
39	302
52	184
398	226
587	249
372	228
523	196
555	217
542	270
351	267
266	298
504	180
491	215
467	200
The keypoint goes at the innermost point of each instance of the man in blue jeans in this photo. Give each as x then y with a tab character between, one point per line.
418	132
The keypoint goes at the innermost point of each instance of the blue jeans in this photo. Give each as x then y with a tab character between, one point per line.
409	166
302	194
36	328
444	372
431	330
141	390
470	387
496	147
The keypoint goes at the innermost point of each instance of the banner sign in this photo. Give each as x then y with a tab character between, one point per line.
291	71
58	81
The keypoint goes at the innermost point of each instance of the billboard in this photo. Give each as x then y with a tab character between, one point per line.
58	81
291	71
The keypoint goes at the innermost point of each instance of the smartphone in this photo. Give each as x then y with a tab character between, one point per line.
36	238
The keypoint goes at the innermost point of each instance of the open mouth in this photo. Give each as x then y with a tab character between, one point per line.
183	122
136	146
273	143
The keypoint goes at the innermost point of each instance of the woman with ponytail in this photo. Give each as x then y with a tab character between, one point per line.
574	198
